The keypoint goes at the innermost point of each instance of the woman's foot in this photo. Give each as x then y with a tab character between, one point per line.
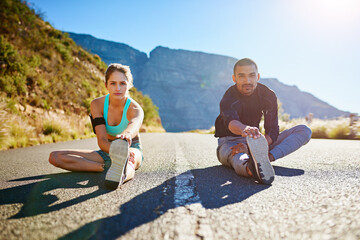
119	151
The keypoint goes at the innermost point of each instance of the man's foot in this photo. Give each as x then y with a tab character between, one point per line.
259	163
119	151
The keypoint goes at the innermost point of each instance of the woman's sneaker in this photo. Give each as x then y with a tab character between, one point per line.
119	151
259	163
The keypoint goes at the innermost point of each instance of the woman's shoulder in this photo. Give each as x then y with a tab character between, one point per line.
135	109
98	100
97	105
134	104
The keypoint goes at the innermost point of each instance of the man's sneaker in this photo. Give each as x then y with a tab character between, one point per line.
119	151
259	163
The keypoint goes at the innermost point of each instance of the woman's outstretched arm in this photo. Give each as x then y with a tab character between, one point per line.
135	116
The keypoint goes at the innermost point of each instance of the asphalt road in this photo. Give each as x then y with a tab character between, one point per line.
182	192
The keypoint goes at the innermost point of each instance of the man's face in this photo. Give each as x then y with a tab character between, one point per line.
246	78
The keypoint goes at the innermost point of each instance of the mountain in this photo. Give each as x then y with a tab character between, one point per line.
112	52
187	86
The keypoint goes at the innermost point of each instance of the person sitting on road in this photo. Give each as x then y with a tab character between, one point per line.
116	120
240	144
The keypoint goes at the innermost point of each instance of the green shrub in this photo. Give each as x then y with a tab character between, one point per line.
86	103
340	132
63	50
11	106
89	89
20	133
319	132
10	58
51	127
74	135
151	114
4	132
41	83
34	61
45	104
150	111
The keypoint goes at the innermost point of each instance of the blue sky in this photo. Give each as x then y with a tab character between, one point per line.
313	44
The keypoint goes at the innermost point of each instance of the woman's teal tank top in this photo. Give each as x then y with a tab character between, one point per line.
115	130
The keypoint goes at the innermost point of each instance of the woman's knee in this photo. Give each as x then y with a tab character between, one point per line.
58	159
54	158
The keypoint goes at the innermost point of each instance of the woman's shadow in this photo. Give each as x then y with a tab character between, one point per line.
36	197
215	186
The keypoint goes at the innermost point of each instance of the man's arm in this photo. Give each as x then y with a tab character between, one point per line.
271	124
268	139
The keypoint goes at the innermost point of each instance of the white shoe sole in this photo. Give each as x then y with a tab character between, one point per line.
119	151
259	151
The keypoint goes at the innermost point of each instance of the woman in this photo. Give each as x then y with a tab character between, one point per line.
116	120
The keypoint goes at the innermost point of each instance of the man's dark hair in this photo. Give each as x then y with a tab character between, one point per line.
245	62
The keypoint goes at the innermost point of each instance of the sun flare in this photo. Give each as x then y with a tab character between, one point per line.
330	14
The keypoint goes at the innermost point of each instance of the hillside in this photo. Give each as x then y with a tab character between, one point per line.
47	81
187	86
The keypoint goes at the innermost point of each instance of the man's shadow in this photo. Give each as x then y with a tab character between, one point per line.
36	199
215	186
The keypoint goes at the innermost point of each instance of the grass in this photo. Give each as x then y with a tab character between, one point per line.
4	132
40	126
50	127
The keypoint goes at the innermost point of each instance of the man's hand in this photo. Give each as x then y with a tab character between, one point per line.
252	132
243	130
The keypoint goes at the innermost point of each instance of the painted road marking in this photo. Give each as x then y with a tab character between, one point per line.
184	183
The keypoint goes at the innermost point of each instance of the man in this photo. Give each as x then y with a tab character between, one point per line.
240	144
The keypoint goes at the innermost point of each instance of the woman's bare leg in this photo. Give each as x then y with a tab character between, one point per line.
77	160
134	162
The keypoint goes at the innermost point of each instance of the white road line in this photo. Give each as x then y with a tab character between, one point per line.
184	183
192	221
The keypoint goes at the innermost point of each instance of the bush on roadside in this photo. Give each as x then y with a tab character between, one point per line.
3	127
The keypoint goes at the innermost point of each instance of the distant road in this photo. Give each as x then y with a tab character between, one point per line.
182	192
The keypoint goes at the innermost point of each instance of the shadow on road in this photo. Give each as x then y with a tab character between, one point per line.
36	198
288	172
216	186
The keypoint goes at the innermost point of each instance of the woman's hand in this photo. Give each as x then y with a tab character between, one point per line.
125	136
